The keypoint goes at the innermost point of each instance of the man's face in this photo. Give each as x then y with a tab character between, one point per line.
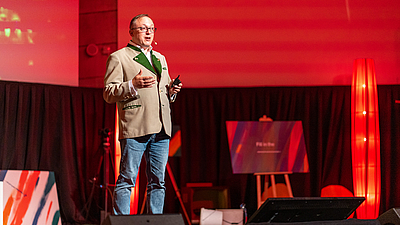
143	37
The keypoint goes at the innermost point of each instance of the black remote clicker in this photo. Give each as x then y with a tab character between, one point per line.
176	81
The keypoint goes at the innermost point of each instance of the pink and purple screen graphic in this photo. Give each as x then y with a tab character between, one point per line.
267	147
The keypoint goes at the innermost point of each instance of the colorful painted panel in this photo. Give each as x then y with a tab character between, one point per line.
267	147
29	198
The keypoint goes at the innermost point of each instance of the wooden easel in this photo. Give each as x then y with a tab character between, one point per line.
271	176
273	185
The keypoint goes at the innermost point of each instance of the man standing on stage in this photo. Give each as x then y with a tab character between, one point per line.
137	79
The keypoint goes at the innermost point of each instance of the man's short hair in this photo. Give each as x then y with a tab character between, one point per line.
134	19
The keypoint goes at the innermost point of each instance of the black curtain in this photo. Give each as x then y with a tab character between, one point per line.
48	127
389	122
326	116
324	112
56	128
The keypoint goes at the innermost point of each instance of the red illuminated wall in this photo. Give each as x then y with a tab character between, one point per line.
39	41
271	43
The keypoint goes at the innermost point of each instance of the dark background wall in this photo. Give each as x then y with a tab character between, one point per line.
98	26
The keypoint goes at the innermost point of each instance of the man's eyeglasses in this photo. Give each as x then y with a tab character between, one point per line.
145	29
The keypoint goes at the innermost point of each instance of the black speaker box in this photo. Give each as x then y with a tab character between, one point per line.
390	217
287	210
165	219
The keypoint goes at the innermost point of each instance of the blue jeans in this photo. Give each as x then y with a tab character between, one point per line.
155	148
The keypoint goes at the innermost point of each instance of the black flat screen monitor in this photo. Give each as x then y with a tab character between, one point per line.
284	210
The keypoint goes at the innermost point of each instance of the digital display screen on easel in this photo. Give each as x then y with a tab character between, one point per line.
267	147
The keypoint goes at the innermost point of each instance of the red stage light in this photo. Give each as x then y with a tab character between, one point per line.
365	138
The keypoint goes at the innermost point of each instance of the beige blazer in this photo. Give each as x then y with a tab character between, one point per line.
148	111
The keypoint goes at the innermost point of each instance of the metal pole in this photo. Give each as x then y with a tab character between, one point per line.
106	147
